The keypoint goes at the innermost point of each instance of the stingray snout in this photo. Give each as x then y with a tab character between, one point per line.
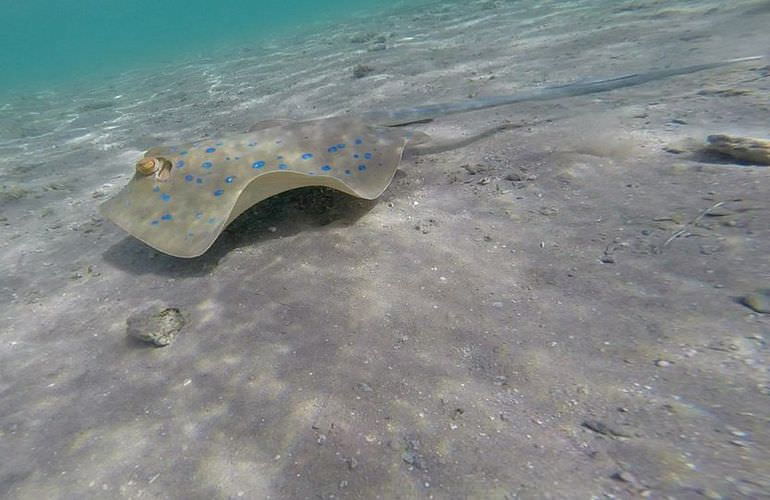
159	166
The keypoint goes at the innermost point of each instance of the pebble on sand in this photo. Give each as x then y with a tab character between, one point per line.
361	70
758	301
155	325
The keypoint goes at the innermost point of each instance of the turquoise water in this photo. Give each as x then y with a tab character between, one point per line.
47	42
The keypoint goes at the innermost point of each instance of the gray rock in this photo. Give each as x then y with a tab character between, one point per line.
758	301
155	325
364	387
361	70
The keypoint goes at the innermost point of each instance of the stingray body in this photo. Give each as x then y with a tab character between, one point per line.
182	205
182	197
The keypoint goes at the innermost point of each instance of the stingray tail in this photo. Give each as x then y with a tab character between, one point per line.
431	111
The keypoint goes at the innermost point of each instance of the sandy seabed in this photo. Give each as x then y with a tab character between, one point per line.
512	319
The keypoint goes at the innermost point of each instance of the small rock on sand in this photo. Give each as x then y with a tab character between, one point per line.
758	301
362	70
155	325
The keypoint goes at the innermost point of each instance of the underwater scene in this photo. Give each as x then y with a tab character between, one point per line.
339	249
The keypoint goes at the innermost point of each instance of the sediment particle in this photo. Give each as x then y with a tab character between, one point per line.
624	476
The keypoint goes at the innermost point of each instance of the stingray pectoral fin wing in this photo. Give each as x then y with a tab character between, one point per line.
169	227
192	236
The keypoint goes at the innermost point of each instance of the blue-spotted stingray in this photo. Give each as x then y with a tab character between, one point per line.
182	197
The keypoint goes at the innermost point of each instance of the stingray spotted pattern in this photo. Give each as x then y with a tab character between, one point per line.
188	194
182	197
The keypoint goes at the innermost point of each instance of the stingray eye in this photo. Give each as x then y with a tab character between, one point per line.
161	167
147	166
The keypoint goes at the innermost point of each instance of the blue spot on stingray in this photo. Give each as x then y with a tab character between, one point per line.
219	192
188	178
166	216
227	158
207	164
212	220
210	150
237	157
340	146
199	180
198	215
355	155
258	164
165	197
283	166
359	140
156	189
182	153
219	144
307	156
155	222
180	163
252	144
229	179
326	168
347	172
368	156
278	141
332	149
361	168
279	157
